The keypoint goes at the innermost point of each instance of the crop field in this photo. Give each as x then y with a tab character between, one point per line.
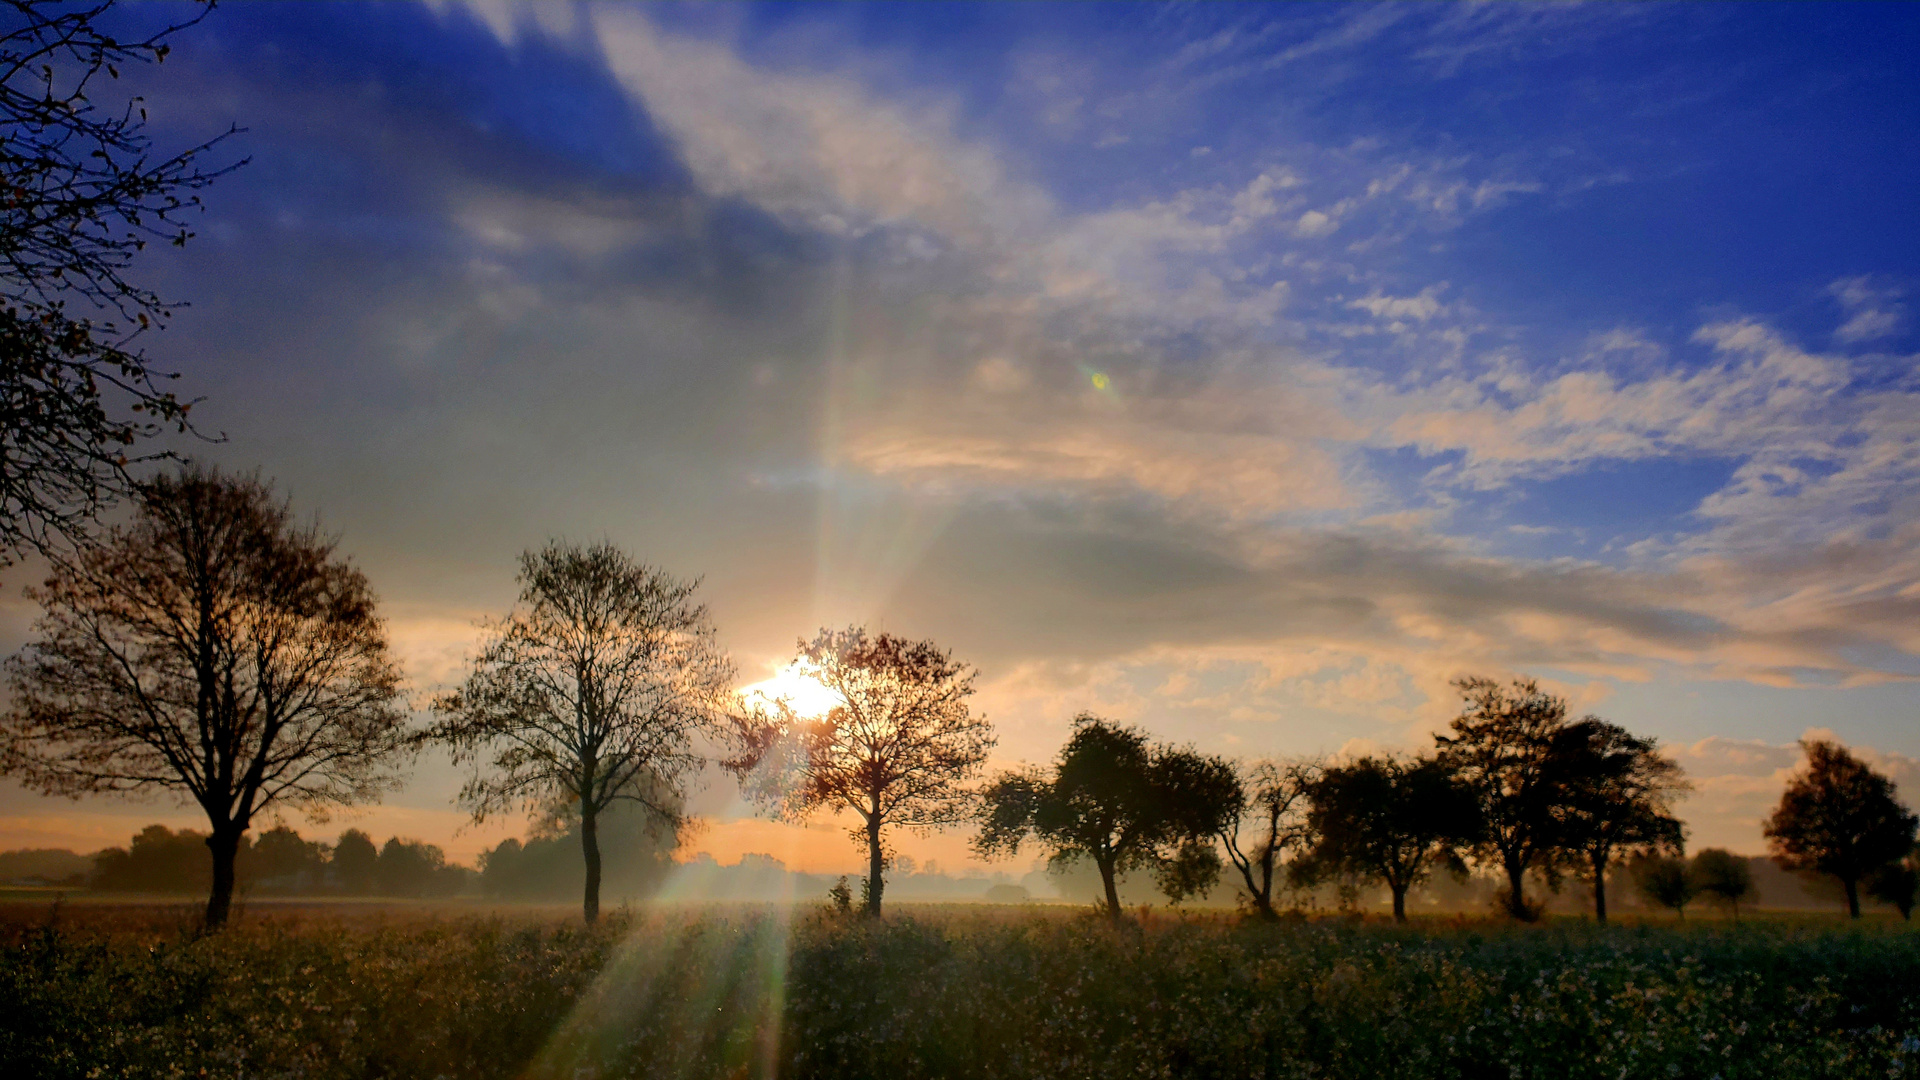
131	991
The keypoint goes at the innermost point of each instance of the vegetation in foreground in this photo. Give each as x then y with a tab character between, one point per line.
941	993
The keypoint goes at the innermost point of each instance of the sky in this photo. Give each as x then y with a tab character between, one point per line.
1245	373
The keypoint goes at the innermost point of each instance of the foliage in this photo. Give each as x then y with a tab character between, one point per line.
355	863
85	193
1722	876
547	866
600	686
1613	794
1393	820
1121	802
745	994
897	748
1839	817
1666	880
212	650
1503	747
1898	883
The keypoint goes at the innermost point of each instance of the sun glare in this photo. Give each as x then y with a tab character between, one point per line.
795	685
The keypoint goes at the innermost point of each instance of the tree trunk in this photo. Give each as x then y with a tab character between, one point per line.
1516	890
225	845
876	868
1600	889
1113	889
1399	902
1853	896
590	845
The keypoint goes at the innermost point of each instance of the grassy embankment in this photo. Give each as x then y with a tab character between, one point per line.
317	992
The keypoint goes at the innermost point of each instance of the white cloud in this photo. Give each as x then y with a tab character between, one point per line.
1873	311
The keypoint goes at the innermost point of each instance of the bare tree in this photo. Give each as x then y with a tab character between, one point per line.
211	648
601	685
84	193
1613	794
1502	746
1273	801
1839	817
896	749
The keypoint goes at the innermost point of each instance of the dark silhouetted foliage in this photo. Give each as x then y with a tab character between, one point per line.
1612	794
600	686
637	847
1665	880
1722	877
85	193
1393	820
1502	747
1897	883
1273	809
1120	802
210	649
1839	817
355	859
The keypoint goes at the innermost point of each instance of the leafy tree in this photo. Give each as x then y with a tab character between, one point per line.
598	687
1392	819
213	650
636	849
1613	793
1725	877
412	868
1273	799
1839	817
1503	747
282	858
897	748
355	863
1665	880
1123	803
159	860
85	193
1898	883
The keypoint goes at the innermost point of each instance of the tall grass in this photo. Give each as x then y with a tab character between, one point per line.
723	993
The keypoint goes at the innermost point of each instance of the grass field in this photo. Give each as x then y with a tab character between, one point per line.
372	991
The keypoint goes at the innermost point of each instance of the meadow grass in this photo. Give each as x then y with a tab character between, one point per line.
945	992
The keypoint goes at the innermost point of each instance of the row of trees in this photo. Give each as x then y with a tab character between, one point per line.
215	648
280	861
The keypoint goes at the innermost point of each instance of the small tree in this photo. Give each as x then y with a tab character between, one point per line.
355	863
1613	793
1898	884
1122	802
212	650
85	193
1391	819
1273	799
1839	817
897	749
598	687
1723	877
1503	746
1665	880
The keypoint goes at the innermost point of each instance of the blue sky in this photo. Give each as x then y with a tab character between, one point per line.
1246	372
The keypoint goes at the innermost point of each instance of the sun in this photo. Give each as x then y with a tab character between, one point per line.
795	685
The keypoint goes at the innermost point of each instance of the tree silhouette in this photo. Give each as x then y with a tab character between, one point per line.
896	749
1839	817
1723	876
355	862
1116	799
1613	793
1502	747
1272	798
1666	880
599	686
213	650
1391	819
84	194
1898	883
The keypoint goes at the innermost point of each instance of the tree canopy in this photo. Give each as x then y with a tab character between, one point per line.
1839	817
1122	802
603	684
1613	793
1392	819
1502	747
213	650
